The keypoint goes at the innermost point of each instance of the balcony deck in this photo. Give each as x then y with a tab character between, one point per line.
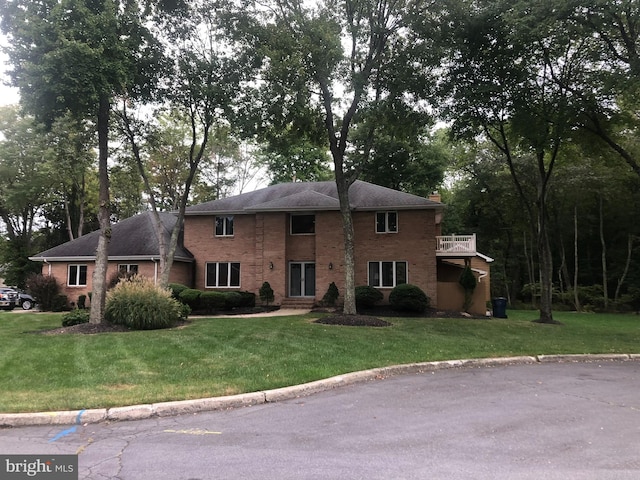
456	246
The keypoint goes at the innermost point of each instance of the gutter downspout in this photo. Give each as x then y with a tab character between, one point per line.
155	271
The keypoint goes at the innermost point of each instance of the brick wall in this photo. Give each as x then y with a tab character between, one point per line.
180	273
262	243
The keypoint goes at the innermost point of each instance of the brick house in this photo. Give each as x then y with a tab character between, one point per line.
133	248
290	235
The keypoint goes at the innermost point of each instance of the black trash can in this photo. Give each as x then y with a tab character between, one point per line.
499	307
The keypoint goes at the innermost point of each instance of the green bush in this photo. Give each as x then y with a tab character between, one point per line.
190	297
232	300
44	289
367	297
248	299
60	303
211	301
468	283
266	293
408	298
82	301
177	289
141	305
331	297
75	317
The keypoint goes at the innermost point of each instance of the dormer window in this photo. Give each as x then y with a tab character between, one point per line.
386	222
224	226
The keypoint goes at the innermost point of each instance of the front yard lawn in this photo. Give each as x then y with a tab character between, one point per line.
224	356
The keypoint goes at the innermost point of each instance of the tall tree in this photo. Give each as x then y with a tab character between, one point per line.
201	89
76	56
329	63
607	86
25	186
506	77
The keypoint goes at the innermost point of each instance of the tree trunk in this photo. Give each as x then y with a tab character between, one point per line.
546	268
626	267
576	298
99	288
605	288
343	185
67	213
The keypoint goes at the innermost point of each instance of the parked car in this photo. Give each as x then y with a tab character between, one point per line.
9	298
26	301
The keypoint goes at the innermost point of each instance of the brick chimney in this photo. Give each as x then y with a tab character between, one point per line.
435	197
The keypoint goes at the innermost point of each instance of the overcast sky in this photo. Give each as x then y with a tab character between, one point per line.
8	95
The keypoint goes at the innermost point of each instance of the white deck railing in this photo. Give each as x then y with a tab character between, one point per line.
456	244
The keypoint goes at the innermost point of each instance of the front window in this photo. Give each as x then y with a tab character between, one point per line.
77	276
128	268
387	274
223	274
386	222
303	224
224	226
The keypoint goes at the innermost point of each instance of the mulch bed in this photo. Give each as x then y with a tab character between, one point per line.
353	320
371	317
86	328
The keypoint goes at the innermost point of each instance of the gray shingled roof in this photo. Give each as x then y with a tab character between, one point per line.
133	238
301	196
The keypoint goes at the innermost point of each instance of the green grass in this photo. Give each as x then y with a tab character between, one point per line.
212	357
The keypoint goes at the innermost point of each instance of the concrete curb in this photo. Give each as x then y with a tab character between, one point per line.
165	409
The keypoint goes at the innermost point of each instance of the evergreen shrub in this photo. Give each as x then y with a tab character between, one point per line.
75	317
211	301
331	297
177	289
190	297
266	293
408	298
367	297
232	300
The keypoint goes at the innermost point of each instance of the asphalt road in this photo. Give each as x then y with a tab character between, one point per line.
536	421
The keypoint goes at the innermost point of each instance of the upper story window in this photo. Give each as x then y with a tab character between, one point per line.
303	224
77	276
224	226
386	222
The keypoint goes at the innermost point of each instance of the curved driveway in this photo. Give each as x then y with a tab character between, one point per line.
532	421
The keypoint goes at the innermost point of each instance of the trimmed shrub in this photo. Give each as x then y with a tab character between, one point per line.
141	305
82	301
408	298
191	297
60	303
266	293
331	297
212	301
232	300
44	289
367	297
177	289
75	317
247	300
468	283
